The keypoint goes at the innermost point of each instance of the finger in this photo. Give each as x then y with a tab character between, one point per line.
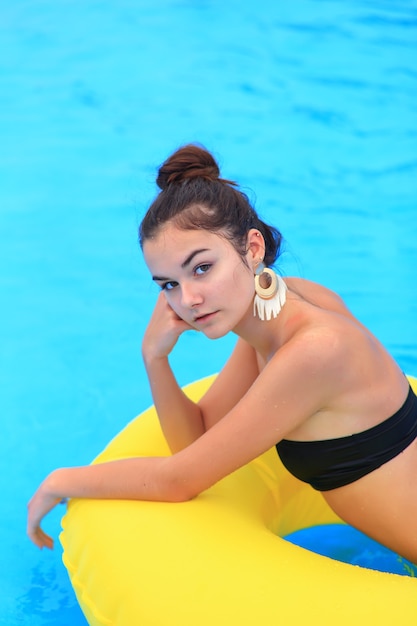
47	541
41	539
182	326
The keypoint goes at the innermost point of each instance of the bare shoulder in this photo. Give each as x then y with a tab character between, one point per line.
318	295
314	356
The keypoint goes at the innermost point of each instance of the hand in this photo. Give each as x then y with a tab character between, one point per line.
163	330
40	504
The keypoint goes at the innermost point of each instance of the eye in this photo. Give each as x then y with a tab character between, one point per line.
202	269
169	285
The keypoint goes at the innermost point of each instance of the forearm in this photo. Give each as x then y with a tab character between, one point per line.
181	419
145	478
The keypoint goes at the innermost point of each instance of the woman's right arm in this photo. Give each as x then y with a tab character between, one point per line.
181	419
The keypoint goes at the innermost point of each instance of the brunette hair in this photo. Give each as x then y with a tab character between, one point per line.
194	196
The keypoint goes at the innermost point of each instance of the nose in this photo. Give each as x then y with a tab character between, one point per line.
190	295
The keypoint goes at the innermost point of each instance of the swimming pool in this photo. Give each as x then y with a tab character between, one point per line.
311	104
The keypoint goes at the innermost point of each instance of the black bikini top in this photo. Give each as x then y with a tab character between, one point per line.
332	463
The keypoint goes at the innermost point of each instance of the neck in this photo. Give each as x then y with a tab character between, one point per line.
263	336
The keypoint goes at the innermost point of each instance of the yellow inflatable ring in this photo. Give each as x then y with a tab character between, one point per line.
219	559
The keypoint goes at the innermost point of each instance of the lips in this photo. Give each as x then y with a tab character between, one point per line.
203	318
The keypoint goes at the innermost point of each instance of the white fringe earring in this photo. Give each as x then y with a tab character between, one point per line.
271	293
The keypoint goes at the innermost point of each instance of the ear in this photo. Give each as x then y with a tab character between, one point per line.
255	245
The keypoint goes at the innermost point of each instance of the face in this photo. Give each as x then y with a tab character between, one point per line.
205	280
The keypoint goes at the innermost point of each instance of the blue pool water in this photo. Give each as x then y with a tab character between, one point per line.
311	104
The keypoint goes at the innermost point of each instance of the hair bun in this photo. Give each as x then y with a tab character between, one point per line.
189	162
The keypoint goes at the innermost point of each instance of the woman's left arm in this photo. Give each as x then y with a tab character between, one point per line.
291	388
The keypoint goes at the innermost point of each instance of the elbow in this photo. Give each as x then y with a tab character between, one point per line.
176	486
180	493
180	489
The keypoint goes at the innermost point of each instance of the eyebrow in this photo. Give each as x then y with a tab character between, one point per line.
184	264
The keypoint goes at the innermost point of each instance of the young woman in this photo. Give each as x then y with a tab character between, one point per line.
305	375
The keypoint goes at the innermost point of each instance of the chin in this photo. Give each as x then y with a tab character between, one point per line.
216	333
